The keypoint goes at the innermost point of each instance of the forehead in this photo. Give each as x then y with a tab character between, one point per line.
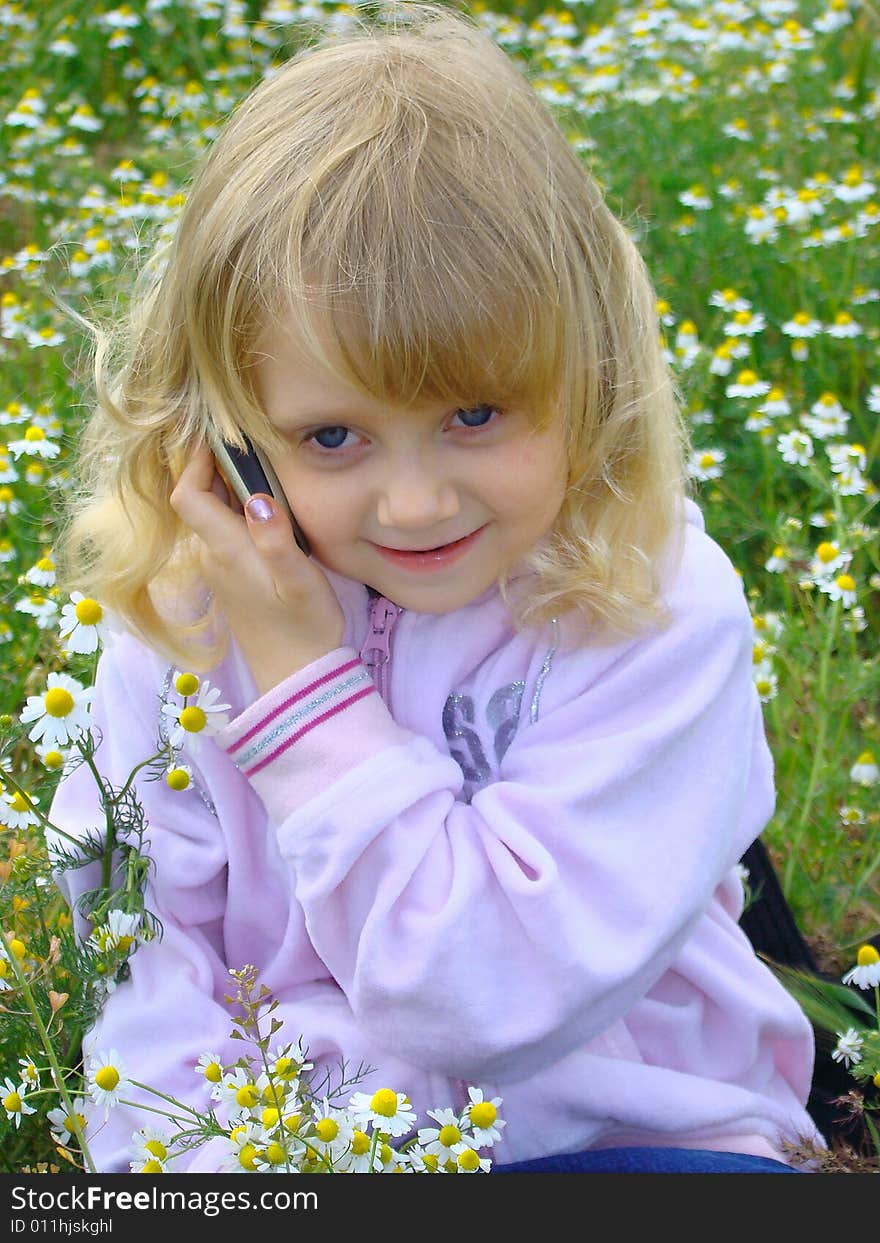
292	385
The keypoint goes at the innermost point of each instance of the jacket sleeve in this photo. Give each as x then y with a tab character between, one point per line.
487	940
163	1017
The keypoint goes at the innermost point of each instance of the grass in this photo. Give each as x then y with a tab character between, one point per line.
739	144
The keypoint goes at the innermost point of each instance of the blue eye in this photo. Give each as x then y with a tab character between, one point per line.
482	414
337	437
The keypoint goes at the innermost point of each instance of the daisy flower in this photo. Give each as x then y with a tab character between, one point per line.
728	300
61	714
794	448
844	326
39	607
360	1158
66	1127
777	563
849	1047
83	624
802	325
178	777
107	1080
467	1161
119	932
387	1111
42	574
12	1098
766	684
29	1072
210	1067
745	324
199	713
829	559
35	443
747	385
866	972
482	1115
333	1131
847	457
242	1148
865	770
149	1151
16	812
706	464
442	1140
842	588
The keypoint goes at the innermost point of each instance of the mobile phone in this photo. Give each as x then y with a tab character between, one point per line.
245	473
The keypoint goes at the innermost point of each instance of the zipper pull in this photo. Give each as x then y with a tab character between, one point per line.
376	648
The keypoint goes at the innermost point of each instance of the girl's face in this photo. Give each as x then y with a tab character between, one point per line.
372	486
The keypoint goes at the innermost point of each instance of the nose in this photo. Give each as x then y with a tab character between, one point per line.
413	498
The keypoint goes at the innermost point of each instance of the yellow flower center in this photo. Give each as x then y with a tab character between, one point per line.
53	759
151	1167
247	1096
74	1123
89	612
384	1102
275	1154
193	719
483	1114
431	1161
177	779
360	1143
867	757
156	1148
107	1078
827	551
12	1103
327	1129
746	377
846	582
468	1160
17	947
45	564
867	956
58	702
246	1157
36	433
449	1135
19	803
285	1068
186	684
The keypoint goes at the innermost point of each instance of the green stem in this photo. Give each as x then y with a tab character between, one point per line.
49	1050
818	746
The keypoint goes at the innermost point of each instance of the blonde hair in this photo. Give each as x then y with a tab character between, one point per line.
403	197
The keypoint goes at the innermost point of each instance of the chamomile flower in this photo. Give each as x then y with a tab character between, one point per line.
866	972
842	588
483	1117
706	464
13	1100
802	325
35	442
178	777
747	384
745	324
829	559
210	1067
843	326
83	624
119	932
865	770
361	1157
16	811
30	1075
67	1127
442	1140
849	1047
243	1145
200	713
42	573
847	457
333	1131
106	1080
468	1161
386	1111
61	715
777	562
766	684
149	1151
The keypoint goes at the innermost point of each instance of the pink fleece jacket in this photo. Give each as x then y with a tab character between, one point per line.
469	856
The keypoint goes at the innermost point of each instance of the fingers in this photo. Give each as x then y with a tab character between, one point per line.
200	499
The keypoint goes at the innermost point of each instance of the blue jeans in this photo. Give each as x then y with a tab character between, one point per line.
647	1161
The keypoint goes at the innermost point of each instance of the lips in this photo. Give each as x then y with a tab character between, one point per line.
430	558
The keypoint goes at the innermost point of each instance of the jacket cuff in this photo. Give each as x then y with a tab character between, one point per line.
301	736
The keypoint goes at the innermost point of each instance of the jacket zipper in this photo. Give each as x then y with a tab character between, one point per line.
376	649
376	655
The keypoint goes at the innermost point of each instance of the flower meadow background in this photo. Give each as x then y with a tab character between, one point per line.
738	139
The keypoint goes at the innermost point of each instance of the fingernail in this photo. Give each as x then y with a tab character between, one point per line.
260	509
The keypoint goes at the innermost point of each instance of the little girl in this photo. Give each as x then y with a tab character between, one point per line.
493	749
